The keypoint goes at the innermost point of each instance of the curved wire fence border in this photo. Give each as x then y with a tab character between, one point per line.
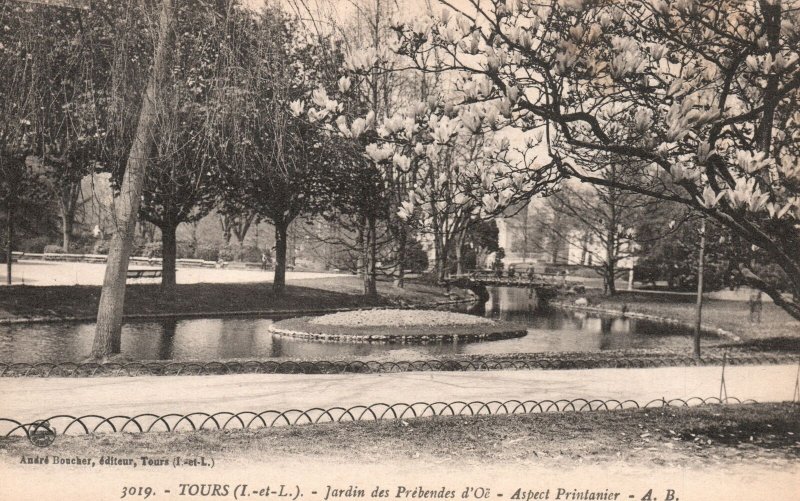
90	424
70	369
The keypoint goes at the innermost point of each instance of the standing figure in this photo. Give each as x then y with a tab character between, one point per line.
755	307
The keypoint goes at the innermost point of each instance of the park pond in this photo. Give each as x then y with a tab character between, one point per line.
549	330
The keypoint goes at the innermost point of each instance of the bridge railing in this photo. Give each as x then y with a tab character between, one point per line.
537	280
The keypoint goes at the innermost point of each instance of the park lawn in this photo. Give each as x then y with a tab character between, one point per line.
672	436
733	316
147	299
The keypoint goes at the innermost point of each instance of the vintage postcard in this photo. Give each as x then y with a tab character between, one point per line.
400	250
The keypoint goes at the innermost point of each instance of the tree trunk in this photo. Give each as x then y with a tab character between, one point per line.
442	260
169	251
66	229
107	339
240	251
68	199
194	239
240	226
610	272
441	270
360	263
399	281
440	255
611	256
279	282
225	223
555	240
460	251
370	255
699	310
524	235
9	241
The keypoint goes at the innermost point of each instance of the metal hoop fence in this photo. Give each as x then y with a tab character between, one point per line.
142	423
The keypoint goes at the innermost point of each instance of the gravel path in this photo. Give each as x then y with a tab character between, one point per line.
42	273
36	398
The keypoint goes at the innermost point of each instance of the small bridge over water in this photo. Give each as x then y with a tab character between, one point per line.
547	286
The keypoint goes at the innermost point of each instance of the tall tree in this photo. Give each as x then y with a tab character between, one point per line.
107	340
275	153
73	87
180	177
22	54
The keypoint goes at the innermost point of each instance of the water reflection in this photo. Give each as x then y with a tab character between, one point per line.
209	339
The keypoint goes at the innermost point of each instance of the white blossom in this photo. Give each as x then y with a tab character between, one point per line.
296	107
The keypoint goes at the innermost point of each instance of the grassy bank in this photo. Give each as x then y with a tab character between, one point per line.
147	299
733	316
676	436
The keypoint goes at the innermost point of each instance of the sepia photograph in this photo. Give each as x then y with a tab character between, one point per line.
400	250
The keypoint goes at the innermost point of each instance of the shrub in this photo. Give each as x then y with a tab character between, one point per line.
35	244
53	249
82	243
185	250
227	253
152	249
416	257
251	254
100	247
207	252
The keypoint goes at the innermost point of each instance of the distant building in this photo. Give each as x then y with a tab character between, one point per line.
538	235
531	235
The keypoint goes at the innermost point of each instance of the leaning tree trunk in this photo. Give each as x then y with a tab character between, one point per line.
9	240
169	251
107	339
279	282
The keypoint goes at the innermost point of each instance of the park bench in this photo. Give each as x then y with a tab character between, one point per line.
144	273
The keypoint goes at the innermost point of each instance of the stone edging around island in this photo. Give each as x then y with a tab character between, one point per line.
301	327
225	314
645	316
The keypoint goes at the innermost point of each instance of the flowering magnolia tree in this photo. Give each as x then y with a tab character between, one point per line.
376	85
455	175
703	93
464	178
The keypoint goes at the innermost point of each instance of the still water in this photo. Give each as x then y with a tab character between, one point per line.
249	338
